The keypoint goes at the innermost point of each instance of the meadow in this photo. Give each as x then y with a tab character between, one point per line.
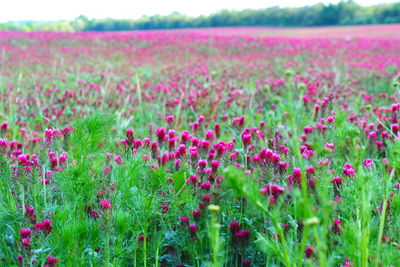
206	147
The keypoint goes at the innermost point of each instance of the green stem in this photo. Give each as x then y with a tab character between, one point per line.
303	245
382	219
364	225
278	227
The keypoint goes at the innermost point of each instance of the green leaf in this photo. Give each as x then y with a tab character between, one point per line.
179	179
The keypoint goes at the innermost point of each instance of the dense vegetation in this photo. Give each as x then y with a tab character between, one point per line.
342	13
170	148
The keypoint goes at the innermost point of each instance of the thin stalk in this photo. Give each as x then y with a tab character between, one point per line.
382	219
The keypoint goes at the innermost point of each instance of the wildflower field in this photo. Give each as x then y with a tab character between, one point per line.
200	148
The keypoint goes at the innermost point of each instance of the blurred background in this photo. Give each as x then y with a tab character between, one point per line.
125	15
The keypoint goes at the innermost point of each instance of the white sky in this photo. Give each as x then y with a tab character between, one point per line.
47	10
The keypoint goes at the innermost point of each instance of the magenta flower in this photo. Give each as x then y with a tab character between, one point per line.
44	226
117	159
205	185
217	129
234	227
395	128
207	198
243	237
209	135
330	146
337	226
297	176
94	214
105	204
368	163
164	208
308	129
184	221
25	232
337	181
274	190
52	261
348	170
246	262
196	214
193	230
309	252
214	165
26	242
170	119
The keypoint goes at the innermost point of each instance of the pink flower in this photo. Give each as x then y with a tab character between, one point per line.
129	134
184	221
196	214
202	163
246	139
272	189
234	227
346	263
297	175
26	242
308	129
207	198
105	204
161	134
25	232
330	119
368	163
330	146
44	226
170	119
67	130
193	230
337	226
205	185
214	165
164	208
52	261
395	128
117	159
209	135
309	252
243	237
217	129
94	214
349	170
246	262
337	181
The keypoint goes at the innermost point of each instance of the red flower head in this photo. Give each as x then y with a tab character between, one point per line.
337	181
25	233
44	226
234	227
26	242
184	221
51	260
193	230
309	252
337	226
196	214
105	204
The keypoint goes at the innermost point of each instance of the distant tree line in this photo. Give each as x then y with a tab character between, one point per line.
343	13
